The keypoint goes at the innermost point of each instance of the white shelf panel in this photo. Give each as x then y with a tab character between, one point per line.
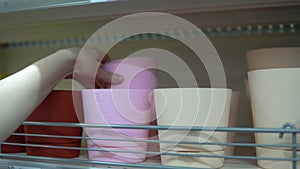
215	16
111	9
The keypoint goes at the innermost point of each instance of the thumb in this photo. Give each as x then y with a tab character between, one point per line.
109	77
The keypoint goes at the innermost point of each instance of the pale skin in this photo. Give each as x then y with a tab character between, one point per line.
23	91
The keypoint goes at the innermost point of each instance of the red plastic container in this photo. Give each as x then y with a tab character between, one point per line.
57	107
15	139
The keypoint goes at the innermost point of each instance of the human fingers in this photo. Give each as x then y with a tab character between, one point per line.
108	77
105	59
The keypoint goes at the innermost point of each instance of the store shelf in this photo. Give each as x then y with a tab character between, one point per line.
247	161
79	40
51	10
214	16
32	30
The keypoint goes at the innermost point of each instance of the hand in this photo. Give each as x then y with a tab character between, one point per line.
87	69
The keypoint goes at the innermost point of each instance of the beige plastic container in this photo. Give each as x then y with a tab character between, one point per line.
282	57
275	100
192	107
275	153
250	114
234	110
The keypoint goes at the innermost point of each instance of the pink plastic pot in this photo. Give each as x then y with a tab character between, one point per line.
117	106
138	72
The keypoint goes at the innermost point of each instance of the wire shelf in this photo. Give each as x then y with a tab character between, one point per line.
217	31
24	161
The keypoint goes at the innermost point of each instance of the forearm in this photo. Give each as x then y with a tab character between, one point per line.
22	92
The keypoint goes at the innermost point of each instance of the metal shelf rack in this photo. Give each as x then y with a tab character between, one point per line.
218	31
23	161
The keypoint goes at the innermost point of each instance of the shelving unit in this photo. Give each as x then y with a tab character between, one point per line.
21	160
28	33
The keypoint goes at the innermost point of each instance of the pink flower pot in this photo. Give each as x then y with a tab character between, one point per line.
138	72
117	106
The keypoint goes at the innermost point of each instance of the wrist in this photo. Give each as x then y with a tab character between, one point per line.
68	57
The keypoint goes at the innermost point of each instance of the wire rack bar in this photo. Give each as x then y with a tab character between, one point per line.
162	127
152	141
